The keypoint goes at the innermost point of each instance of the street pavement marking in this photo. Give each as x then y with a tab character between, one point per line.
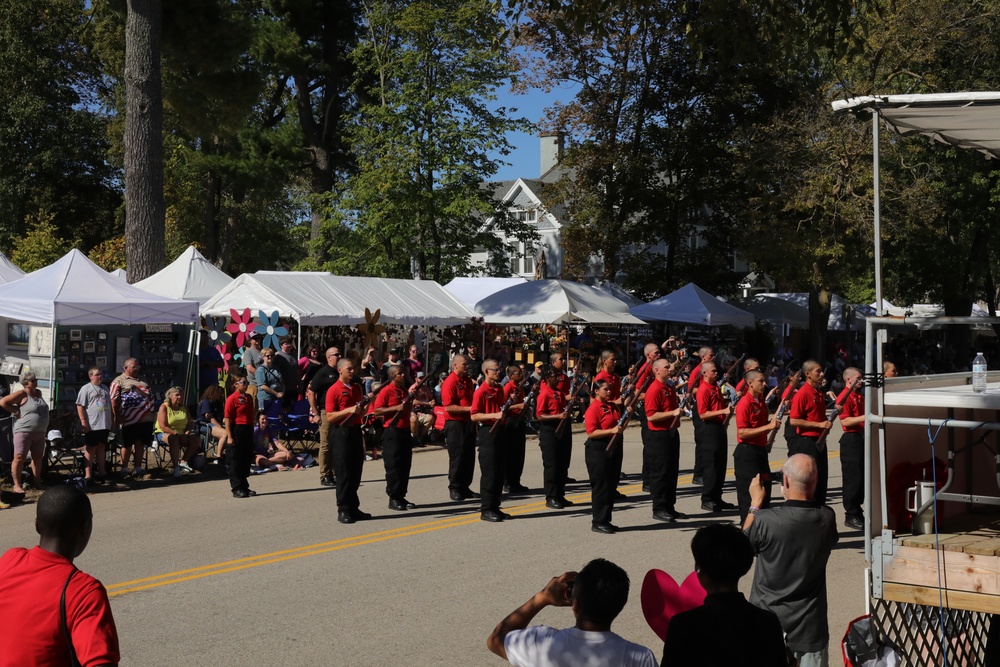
236	565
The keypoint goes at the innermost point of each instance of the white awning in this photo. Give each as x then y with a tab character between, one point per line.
965	120
554	302
190	276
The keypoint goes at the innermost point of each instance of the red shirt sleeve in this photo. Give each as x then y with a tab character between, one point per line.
709	400
508	390
91	624
694	379
549	402
741	386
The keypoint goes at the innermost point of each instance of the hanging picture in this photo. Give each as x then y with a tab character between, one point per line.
18	335
101	362
40	342
88	346
75	334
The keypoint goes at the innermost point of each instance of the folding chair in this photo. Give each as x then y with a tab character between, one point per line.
65	453
298	429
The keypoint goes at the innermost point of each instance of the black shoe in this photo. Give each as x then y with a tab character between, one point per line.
519	488
698	481
345	517
724	506
675	514
645	488
619	496
554	503
491	516
566	503
506	489
709	507
469	493
456	495
240	493
604	528
855	522
505	515
409	505
571	480
251	493
664	516
328	481
359	515
398	505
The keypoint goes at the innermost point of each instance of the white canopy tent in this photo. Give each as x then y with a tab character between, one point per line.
835	322
693	305
74	290
120	273
471	290
8	270
322	299
778	312
190	276
554	302
617	292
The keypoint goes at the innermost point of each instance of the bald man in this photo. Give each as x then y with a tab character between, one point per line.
852	448
713	410
889	370
651	352
808	415
705	354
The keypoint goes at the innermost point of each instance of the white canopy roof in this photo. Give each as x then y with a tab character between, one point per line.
776	311
74	290
472	290
836	320
614	290
316	298
693	305
8	270
190	276
966	120
120	273
554	302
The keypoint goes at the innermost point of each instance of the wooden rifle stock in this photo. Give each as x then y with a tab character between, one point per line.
361	405
573	393
506	406
627	413
821	441
527	402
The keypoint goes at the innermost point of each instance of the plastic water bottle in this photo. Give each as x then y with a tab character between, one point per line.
979	373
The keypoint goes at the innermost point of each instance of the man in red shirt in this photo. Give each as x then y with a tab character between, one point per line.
513	427
750	364
564	387
705	355
344	406
713	411
37	584
397	441
549	409
808	416
603	466
663	443
752	429
487	405
456	397
852	448
651	352
239	416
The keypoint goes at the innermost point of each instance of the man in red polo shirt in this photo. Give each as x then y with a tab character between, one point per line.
239	416
750	364
344	406
549	409
752	429
663	443
513	427
487	405
456	397
808	416
852	448
36	583
713	411
651	353
564	386
397	441
705	355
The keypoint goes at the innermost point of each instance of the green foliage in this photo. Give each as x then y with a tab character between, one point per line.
41	245
109	254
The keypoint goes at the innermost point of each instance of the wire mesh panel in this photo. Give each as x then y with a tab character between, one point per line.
916	631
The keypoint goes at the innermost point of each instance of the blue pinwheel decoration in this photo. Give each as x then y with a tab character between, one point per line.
217	334
238	357
270	330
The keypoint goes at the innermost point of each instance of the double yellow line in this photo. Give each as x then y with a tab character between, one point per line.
337	545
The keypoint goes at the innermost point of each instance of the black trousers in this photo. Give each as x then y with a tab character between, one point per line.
748	462
397	455
640	415
664	462
601	467
348	452
852	467
240	452
807	445
491	467
714	441
514	444
554	459
461	440
699	436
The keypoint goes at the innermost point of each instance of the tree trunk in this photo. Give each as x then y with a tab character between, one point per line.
145	211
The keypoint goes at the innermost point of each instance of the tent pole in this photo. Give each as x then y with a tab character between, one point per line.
878	221
298	344
52	367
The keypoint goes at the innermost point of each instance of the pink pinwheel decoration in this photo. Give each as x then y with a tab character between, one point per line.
241	327
226	358
217	334
662	599
270	330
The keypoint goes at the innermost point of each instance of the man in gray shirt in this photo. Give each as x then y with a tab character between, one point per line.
792	542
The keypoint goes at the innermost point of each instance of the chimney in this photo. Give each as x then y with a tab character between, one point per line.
553	144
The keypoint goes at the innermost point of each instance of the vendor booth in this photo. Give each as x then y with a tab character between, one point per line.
191	276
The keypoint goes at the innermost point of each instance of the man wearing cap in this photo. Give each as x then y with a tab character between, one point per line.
252	360
393	361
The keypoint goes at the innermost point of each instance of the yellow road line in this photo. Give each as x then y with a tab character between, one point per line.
238	564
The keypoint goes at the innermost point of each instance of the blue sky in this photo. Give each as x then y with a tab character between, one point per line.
525	158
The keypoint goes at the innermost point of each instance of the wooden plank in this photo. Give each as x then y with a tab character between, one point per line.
984	548
961	542
925	541
917	566
989	604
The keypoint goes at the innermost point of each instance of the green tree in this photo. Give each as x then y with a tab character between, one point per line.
41	245
417	206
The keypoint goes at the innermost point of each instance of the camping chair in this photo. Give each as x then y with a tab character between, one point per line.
298	429
66	453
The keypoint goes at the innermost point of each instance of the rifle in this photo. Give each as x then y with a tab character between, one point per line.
627	413
527	402
821	441
358	407
507	404
632	374
628	390
574	391
724	378
785	405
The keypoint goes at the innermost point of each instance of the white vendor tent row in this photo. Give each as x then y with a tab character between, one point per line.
8	270
693	305
554	302
190	276
471	290
74	291
835	322
316	298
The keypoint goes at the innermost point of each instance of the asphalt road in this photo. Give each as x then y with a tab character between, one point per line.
200	578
